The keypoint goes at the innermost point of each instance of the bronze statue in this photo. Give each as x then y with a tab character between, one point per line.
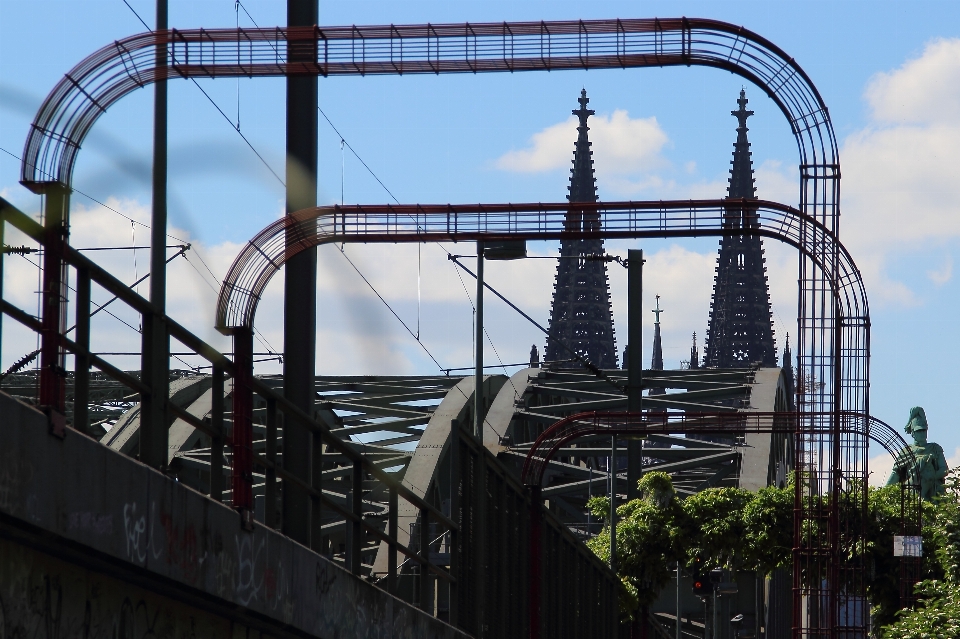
927	466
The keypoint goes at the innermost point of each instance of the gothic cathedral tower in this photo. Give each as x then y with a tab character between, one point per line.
740	332
580	316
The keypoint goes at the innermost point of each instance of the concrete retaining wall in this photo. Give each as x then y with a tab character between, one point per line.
94	538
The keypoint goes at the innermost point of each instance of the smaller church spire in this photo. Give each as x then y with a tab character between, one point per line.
656	362
694	353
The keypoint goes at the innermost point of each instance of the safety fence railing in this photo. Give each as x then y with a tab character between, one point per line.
232	445
465	561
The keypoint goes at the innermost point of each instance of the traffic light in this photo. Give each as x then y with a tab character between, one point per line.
701	585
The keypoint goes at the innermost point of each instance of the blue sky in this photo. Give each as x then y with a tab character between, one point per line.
888	71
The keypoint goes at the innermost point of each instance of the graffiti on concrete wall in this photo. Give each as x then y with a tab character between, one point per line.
41	596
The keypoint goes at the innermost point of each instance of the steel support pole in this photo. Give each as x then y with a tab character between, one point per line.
356	507
455	535
392	509
3	254
634	363
242	440
478	408
216	442
154	339
613	503
426	602
270	474
300	280
81	362
56	207
534	558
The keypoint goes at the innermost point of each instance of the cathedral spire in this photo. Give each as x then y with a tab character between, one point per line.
740	332
694	353
656	361
580	316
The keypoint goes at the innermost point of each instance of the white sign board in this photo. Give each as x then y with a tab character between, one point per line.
907	546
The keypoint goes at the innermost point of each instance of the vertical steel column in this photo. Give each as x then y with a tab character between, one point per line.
56	204
356	507
3	254
318	542
270	481
426	602
154	339
300	281
478	411
216	442
535	550
480	480
242	441
455	535
613	503
81	361
480	542
634	363
392	548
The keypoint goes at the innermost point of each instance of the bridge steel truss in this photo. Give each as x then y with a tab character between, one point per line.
800	426
832	349
835	460
453	577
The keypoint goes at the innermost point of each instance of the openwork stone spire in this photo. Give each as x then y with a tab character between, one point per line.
580	316
656	360
741	327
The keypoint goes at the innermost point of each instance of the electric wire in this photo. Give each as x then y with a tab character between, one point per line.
362	276
91	198
582	360
235	127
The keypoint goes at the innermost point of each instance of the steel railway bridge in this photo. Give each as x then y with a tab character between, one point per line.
412	484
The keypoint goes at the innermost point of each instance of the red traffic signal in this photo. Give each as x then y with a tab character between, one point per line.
701	586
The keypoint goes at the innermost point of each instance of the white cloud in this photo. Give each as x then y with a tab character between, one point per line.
922	90
943	274
899	191
621	145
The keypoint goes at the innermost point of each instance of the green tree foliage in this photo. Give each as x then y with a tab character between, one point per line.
937	614
753	531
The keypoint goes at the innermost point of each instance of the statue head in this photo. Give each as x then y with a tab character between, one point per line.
917	425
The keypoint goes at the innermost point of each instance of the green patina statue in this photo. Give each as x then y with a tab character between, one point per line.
927	466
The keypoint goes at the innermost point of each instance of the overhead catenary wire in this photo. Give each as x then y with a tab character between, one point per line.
582	360
92	199
233	126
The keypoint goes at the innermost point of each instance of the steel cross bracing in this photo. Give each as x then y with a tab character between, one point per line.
827	271
90	88
582	470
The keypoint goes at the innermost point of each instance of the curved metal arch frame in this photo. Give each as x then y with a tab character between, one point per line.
836	457
92	86
266	253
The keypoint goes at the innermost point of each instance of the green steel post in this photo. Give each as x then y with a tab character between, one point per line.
81	361
216	442
426	600
300	280
478	373
155	341
455	536
356	507
270	475
634	363
392	547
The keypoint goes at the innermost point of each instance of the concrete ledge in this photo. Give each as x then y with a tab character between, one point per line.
78	494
